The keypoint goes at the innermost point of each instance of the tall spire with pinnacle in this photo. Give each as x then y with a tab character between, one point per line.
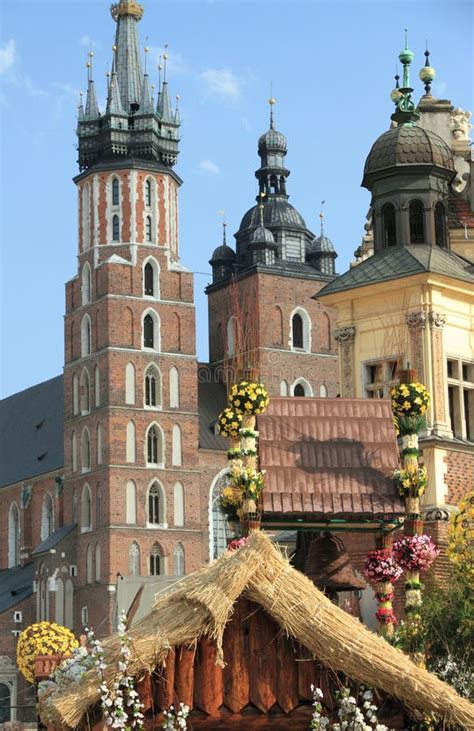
405	112
164	108
114	103
128	67
272	150
146	104
92	108
427	73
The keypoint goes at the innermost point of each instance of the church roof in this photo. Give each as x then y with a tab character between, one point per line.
399	262
17	585
53	540
329	457
31	432
277	213
212	399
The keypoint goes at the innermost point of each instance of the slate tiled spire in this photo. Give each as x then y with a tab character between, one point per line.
127	55
92	108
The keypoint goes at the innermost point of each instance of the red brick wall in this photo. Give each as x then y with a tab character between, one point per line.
459	474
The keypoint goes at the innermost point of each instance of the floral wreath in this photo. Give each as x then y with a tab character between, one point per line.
248	397
415	553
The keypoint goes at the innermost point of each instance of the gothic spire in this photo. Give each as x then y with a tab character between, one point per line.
128	67
92	108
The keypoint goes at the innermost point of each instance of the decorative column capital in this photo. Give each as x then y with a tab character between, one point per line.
416	319
437	320
345	334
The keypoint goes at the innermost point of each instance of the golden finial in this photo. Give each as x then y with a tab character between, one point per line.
126	7
272	101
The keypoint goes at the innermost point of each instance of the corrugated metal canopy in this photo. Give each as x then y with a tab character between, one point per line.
329	458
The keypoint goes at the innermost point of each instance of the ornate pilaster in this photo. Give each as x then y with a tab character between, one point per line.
345	336
416	322
437	321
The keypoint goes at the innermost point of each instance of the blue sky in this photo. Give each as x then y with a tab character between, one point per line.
331	65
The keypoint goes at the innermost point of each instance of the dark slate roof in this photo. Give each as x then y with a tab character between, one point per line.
212	399
223	253
402	261
17	584
329	457
53	539
323	244
31	432
272	140
262	235
277	213
406	145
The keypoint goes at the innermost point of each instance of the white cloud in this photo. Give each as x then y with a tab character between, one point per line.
175	63
7	56
221	83
207	166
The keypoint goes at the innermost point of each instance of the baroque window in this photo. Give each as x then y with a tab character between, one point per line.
416	221
389	229
440	225
380	377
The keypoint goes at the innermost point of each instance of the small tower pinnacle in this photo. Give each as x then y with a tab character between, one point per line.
405	112
427	73
92	108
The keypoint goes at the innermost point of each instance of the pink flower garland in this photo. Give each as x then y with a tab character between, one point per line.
380	566
415	553
237	543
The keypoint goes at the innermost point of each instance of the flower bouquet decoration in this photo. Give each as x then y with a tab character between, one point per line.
410	402
411	485
229	423
43	638
248	398
381	569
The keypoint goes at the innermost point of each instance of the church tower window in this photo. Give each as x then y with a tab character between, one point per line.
388	225
148	193
152	387
156	505
115	192
154	446
148	233
115	228
416	220
149	283
297	325
134	559
148	332
155	561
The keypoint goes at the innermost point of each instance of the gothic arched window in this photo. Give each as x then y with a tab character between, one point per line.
174	388
148	235
131	503
154	446
115	228
149	280
299	390
86	344
152	387
440	225
47	517
297	331
13	536
85	392
388	225
156	512
115	192
178	560
417	224
155	561
129	383
134	559
148	332
85	451
218	529
86	284
86	509
148	193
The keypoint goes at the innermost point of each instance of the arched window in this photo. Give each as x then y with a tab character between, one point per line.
151	331
283	388
115	228
86	509
73	451
178	504
129	383
98	506
277	326
232	336
218	529
156	561
440	225
297	331
99	443
13	536
175	333
174	388
178	560
130	450
86	284
6	703
154	446
75	394
86	216
47	517
85	336
417	224
176	456
115	192
301	331
68	604
97	561
389	228
85	392
323	391
149	283
134	559
89	564
148	235
148	192
59	601
151	278
152	387
85	450
97	385
325	332
301	387
131	503
156	505
74	507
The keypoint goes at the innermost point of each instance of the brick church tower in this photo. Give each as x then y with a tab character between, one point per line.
131	423
262	314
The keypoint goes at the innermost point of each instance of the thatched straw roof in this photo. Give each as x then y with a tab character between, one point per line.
202	603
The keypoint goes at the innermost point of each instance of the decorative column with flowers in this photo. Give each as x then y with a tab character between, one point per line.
382	571
241	498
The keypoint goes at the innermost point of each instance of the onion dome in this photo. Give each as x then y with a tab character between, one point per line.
322	244
223	259
405	146
272	140
262	235
321	253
